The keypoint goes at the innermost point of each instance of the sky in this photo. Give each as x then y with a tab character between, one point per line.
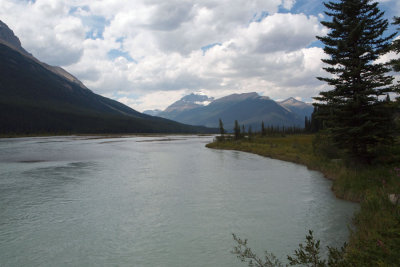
149	53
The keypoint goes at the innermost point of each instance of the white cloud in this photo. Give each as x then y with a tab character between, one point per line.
45	29
280	32
153	100
288	4
257	57
164	39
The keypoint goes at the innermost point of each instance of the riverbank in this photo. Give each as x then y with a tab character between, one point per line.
376	238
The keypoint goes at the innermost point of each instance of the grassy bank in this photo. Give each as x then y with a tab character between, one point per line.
376	239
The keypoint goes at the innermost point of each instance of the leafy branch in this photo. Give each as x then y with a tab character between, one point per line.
307	254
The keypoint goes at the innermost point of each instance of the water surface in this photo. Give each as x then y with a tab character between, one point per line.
154	201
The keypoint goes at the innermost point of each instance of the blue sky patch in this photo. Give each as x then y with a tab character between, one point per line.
115	53
258	17
120	40
75	8
316	43
208	47
308	7
96	24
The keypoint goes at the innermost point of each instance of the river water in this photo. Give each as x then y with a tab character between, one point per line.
155	201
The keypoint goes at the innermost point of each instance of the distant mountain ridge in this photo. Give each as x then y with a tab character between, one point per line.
298	107
249	109
189	102
38	98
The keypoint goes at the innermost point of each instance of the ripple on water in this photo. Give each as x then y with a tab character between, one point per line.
142	201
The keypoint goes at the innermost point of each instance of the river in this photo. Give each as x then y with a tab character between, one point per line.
155	201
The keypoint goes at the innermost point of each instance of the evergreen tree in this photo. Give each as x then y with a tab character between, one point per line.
221	128
250	133
307	124
396	48
316	122
354	112
396	67
263	132
236	130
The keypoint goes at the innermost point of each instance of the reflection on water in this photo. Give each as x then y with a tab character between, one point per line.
141	201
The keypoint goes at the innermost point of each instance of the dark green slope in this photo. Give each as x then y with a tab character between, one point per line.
34	100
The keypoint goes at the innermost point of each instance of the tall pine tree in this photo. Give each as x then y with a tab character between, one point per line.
396	67
236	130
354	111
221	128
396	47
263	132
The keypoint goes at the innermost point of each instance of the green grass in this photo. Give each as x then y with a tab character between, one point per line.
376	238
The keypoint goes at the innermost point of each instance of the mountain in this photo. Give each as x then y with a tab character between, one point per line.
38	98
8	38
186	103
300	108
249	109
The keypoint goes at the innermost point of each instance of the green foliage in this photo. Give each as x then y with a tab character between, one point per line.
354	112
316	123
376	241
221	129
236	130
307	124
396	48
245	254
250	133
336	256
307	254
324	147
263	132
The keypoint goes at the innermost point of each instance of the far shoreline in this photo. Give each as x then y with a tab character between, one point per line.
101	135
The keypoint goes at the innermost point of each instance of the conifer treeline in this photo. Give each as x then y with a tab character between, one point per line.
240	132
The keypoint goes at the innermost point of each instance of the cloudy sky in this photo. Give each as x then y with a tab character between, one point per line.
149	53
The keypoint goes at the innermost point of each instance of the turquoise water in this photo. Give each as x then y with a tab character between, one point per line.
154	201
